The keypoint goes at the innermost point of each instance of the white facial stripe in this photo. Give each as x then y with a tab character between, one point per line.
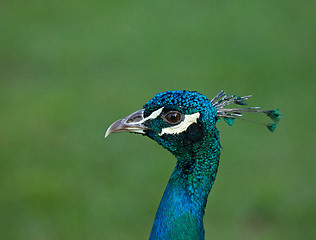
152	115
183	126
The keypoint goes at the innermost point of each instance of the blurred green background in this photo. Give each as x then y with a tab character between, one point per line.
68	69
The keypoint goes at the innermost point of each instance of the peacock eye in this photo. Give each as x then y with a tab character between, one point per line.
173	117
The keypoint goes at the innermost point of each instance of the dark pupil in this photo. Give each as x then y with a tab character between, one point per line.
173	117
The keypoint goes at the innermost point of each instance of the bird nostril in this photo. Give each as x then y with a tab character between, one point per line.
134	119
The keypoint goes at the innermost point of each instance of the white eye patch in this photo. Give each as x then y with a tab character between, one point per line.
183	126
152	115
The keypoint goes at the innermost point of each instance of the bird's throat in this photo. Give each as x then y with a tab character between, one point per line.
181	210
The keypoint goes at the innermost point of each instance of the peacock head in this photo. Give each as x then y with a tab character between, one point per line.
182	121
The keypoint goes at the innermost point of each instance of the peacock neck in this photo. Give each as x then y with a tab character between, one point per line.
181	210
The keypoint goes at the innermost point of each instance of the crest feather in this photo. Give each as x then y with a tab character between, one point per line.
221	100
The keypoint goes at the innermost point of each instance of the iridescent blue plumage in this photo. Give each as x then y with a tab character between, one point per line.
184	123
180	214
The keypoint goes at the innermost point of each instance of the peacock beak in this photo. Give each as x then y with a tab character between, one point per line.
132	123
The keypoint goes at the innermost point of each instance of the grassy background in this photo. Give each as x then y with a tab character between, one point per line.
68	69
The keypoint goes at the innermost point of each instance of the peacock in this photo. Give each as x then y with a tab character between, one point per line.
184	122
